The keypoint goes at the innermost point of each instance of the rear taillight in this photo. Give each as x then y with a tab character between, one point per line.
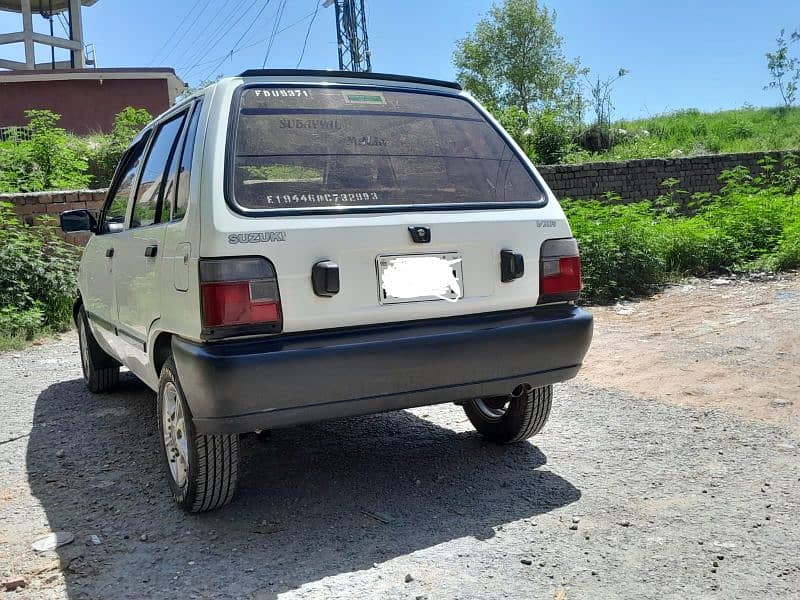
559	271
239	296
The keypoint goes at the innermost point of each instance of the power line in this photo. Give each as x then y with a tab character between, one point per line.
256	42
207	44
308	32
62	20
241	37
172	37
169	39
188	29
279	14
218	38
191	51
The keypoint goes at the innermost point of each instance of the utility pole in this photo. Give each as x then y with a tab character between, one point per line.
351	35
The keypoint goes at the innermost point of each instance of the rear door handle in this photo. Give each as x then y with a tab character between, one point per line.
109	252
151	251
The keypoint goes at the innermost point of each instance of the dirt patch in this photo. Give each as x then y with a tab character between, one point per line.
729	344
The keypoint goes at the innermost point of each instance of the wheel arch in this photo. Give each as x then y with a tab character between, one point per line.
76	307
161	350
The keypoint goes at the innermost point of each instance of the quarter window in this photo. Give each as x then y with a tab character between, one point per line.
148	195
117	202
177	188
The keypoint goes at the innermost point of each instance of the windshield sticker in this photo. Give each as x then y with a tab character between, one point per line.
281	93
364	98
333	198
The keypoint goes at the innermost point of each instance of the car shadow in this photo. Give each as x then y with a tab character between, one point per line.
313	501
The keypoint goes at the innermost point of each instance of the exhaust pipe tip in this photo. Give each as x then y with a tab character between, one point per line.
523	389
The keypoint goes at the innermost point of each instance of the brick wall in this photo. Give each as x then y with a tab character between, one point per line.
29	206
641	179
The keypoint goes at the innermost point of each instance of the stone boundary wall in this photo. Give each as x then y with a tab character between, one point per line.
31	205
633	180
641	179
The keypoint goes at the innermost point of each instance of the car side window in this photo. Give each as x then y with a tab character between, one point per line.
117	202
146	207
180	170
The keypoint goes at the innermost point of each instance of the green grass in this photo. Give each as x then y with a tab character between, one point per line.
12	342
691	132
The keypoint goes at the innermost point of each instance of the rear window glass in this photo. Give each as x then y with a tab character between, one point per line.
299	147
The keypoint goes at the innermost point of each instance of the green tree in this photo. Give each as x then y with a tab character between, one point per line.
784	69
514	57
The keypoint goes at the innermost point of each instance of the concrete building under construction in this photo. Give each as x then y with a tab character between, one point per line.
87	97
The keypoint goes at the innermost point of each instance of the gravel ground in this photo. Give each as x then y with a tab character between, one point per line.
619	497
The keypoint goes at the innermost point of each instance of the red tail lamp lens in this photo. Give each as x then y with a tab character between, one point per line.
559	271
237	292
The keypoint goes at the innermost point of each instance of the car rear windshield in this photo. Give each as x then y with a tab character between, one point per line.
333	147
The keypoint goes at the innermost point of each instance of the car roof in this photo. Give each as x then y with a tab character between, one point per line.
300	73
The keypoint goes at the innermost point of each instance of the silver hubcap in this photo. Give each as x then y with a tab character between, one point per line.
492	409
175	440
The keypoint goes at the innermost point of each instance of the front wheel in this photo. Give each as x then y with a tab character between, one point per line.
514	418
100	371
202	470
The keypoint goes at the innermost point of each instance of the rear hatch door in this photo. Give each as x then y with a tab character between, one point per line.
411	194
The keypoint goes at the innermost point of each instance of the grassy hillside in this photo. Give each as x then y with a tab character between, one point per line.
691	132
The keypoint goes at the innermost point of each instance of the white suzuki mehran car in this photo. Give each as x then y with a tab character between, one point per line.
290	246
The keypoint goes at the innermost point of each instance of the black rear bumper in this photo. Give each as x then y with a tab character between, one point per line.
300	378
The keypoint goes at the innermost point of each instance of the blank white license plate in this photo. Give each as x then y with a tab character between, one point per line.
420	277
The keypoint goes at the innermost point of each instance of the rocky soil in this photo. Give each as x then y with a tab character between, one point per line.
655	478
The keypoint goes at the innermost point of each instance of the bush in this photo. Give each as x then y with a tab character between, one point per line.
105	151
546	137
787	254
753	222
619	249
596	138
45	161
37	277
42	156
692	246
550	139
18	325
629	250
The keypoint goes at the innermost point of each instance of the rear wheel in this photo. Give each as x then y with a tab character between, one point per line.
202	470
100	371
514	418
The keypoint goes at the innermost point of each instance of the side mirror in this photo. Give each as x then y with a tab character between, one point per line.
75	221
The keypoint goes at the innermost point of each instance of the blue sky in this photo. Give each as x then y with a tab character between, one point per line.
707	55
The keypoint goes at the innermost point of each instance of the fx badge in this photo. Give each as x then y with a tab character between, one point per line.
421	235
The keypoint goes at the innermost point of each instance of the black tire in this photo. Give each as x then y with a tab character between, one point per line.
511	419
100	371
205	478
